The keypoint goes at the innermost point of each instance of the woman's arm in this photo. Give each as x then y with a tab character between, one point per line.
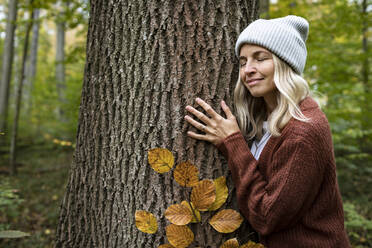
271	204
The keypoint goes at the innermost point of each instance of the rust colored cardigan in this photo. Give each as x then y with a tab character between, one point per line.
290	195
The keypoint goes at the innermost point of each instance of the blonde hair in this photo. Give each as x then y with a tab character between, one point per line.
251	111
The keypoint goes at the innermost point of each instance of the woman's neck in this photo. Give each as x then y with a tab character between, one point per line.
271	103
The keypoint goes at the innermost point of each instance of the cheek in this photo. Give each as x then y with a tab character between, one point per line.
241	73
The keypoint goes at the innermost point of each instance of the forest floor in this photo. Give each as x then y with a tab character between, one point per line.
30	201
38	190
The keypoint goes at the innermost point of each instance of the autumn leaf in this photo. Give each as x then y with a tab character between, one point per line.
146	222
178	214
226	221
179	236
160	159
166	246
252	244
203	195
186	174
231	243
196	212
221	193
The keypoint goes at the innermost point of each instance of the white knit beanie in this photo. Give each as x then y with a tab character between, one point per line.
285	37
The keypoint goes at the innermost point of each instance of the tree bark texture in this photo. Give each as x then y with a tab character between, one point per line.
7	62
147	60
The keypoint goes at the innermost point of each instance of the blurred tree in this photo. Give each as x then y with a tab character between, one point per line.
32	62
146	60
60	57
7	63
18	95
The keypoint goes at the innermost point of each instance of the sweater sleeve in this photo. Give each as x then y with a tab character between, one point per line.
277	201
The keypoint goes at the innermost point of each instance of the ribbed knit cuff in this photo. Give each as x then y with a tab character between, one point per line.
236	146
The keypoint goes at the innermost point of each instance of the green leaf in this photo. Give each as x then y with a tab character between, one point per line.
10	234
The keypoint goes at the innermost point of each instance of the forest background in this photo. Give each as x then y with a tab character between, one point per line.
42	134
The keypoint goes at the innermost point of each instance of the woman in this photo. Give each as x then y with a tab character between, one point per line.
286	178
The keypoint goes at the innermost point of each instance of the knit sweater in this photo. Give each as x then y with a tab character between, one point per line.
290	195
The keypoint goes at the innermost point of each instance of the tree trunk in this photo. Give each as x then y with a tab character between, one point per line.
147	60
18	97
60	61
32	62
7	63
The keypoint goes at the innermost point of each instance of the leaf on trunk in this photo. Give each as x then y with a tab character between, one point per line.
166	246
252	244
179	236
221	193
203	195
226	221
160	159
231	243
186	174
12	234
178	214
146	222
196	212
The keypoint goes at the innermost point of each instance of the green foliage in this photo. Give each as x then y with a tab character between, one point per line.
9	202
41	183
358	227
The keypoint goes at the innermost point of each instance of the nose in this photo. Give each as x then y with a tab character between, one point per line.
249	68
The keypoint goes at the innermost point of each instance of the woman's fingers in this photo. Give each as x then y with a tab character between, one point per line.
227	110
196	124
198	136
199	114
207	108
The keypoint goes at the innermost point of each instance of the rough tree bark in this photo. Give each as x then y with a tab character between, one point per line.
7	63
146	60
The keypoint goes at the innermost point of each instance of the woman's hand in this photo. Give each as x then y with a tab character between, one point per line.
215	127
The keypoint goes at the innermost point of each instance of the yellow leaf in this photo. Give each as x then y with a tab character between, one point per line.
178	214
166	246
203	195
221	193
231	243
252	244
196	212
226	221
146	221
186	174
179	236
160	159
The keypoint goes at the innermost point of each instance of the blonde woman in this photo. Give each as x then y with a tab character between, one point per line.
285	176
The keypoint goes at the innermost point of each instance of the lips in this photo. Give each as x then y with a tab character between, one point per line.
253	81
